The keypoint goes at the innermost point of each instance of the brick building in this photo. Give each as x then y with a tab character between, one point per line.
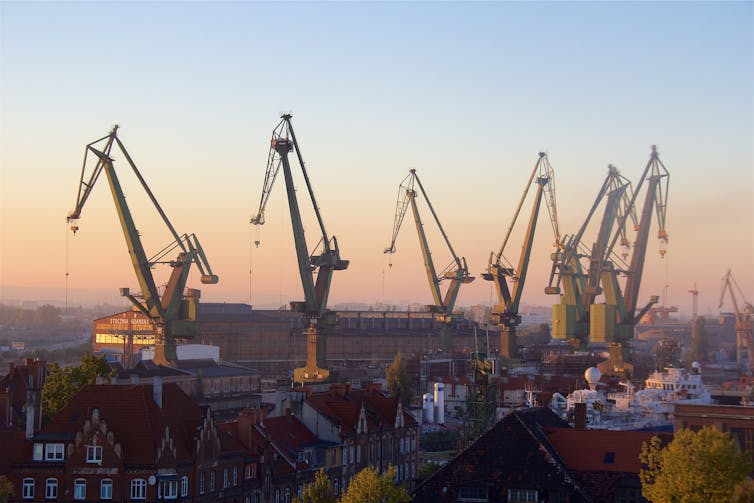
737	420
371	429
129	443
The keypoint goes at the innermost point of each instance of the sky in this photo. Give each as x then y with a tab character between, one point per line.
466	93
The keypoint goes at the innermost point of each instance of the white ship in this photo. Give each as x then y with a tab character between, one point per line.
651	408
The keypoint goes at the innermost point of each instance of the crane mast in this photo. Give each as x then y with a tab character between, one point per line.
744	324
505	313
315	268
457	272
173	315
618	315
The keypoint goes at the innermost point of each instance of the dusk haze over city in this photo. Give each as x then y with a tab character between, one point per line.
305	244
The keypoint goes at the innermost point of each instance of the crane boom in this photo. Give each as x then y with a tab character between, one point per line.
316	290
168	313
457	272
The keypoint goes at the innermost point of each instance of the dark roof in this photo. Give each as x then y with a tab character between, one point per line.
133	416
514	453
210	368
223	308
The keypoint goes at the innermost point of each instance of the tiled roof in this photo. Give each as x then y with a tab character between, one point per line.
133	416
288	434
599	450
344	409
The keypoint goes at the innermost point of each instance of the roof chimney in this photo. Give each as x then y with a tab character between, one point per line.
157	390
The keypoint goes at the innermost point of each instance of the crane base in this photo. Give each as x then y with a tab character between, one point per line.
305	375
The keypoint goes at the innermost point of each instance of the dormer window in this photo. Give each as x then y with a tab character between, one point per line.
94	454
53	452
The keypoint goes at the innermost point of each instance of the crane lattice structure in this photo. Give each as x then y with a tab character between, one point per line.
173	313
315	267
457	271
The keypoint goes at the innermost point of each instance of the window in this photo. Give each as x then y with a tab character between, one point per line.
247	499
38	452
225	478
94	454
51	489
287	495
184	486
138	489
563	498
212	481
521	495
335	486
169	489
249	471
79	489
235	475
53	452
609	458
201	483
27	489
475	493
277	495
106	489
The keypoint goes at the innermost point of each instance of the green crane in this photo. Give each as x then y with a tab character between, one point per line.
173	313
505	312
620	315
319	263
456	271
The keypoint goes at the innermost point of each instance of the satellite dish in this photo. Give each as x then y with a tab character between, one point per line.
152	479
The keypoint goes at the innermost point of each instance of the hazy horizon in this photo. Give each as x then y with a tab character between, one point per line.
466	93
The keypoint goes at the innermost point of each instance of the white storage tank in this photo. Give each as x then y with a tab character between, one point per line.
440	402
428	407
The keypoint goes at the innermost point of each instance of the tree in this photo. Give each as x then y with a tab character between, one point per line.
6	489
321	491
703	466
63	383
398	382
369	487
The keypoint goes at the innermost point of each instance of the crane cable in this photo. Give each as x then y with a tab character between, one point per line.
67	265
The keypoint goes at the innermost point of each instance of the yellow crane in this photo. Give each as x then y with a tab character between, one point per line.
744	336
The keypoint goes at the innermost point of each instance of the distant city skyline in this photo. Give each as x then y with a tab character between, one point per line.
465	93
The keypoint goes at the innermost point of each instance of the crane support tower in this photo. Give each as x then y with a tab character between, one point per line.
619	316
505	313
456	271
173	313
744	325
315	268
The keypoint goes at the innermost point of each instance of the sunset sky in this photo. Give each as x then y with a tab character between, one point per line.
466	93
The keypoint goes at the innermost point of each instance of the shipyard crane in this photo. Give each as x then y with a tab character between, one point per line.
456	271
509	281
173	314
315	268
744	336
618	315
580	284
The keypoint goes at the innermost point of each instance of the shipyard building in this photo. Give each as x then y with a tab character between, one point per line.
273	340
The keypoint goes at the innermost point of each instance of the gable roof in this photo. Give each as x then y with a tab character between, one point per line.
133	416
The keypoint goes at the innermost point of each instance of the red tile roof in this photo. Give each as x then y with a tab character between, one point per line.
344	409
599	450
288	434
133	416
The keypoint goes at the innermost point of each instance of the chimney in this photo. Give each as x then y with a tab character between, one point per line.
157	390
580	416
